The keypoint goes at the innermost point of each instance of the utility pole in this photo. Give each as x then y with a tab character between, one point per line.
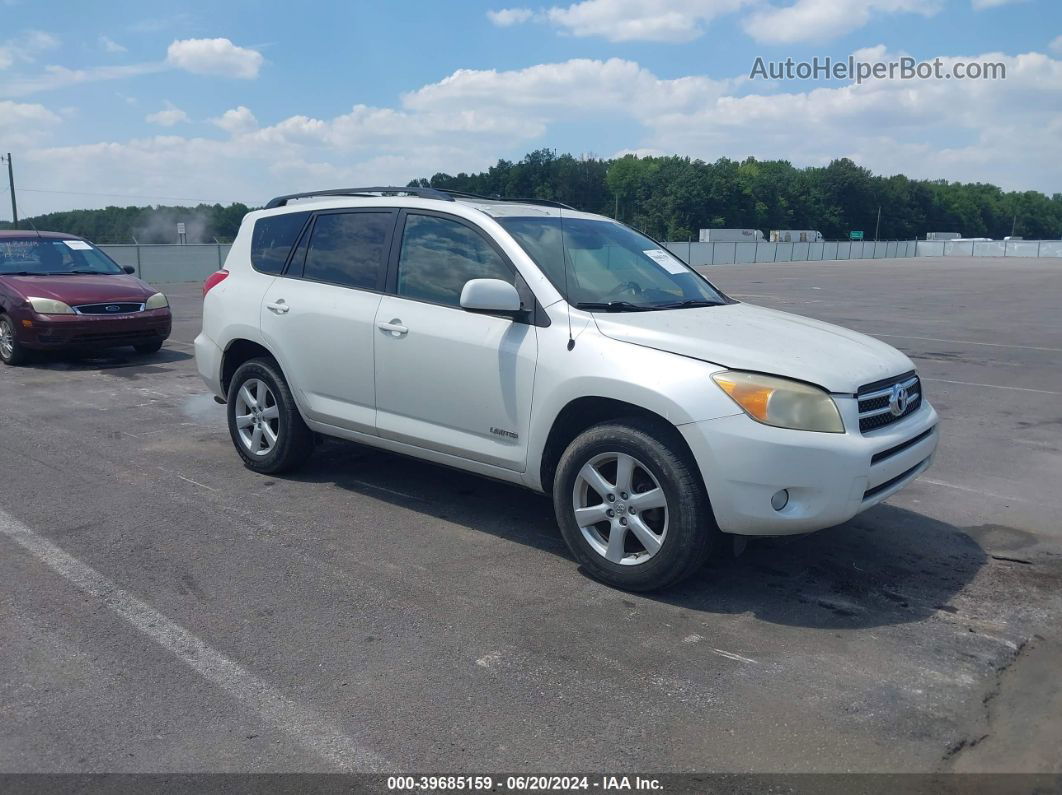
11	182
877	226
1014	225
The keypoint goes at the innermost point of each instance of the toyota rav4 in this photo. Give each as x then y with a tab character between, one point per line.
528	342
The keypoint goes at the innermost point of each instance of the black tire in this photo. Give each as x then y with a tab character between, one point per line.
294	440
691	528
17	354
148	347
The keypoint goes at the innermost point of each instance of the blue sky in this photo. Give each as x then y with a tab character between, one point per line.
229	101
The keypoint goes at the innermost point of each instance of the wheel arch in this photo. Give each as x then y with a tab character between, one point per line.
239	351
585	412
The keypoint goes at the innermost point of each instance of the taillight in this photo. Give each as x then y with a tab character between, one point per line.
214	279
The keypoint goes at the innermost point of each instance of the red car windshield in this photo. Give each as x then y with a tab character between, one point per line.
38	256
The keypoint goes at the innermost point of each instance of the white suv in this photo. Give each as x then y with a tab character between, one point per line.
563	351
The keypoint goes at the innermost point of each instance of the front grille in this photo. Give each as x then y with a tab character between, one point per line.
876	405
112	308
116	336
877	458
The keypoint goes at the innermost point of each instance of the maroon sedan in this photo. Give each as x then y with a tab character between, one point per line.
59	291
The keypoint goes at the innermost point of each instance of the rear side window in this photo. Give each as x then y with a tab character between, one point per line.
272	239
439	256
349	249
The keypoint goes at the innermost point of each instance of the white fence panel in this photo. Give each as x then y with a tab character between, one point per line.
829	250
1050	248
989	248
929	248
724	253
1024	248
800	252
815	250
766	252
745	252
961	248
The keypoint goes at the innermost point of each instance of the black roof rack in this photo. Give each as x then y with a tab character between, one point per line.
542	202
423	193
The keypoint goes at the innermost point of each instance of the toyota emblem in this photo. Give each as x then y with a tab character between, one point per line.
898	400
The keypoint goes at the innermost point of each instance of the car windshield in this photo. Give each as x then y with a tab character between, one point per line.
611	268
41	256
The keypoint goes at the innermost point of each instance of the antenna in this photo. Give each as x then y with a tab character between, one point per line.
567	293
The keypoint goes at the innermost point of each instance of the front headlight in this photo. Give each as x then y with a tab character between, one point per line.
157	301
781	402
49	306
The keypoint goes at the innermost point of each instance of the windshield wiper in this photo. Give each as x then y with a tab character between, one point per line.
692	303
613	306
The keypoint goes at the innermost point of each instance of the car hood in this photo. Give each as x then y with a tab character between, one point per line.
81	289
747	337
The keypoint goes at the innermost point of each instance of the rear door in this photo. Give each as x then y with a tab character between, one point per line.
319	315
446	379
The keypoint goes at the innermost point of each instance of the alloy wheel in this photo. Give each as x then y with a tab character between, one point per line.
620	508
257	417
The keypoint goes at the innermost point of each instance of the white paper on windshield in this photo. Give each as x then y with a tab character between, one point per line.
78	245
666	260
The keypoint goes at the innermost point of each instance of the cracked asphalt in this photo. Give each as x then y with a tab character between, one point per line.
166	610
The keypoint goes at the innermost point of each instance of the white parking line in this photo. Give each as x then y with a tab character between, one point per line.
993	386
967	342
305	726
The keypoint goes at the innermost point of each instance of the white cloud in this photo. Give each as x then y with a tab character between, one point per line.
983	4
236	120
26	47
168	116
110	45
641	20
54	77
23	125
822	20
507	17
1056	45
214	57
972	130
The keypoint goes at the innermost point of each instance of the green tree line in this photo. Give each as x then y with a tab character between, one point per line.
672	197
669	198
203	223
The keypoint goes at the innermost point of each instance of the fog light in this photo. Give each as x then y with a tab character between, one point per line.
27	324
780	499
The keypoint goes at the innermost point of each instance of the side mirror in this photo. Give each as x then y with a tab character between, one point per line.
129	269
490	296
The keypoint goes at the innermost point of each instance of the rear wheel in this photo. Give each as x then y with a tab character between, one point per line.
264	422
631	505
148	347
11	350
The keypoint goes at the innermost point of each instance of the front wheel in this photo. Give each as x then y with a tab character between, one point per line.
264	422
11	351
632	506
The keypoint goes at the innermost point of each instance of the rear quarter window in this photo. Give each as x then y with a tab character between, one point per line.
272	239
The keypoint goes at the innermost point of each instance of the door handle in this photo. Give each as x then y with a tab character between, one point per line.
279	307
394	328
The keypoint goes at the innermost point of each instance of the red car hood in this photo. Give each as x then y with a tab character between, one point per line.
82	289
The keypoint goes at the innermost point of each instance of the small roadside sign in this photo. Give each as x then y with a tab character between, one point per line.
858	235
180	228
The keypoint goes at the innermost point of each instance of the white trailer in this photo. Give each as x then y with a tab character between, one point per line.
730	236
943	235
795	236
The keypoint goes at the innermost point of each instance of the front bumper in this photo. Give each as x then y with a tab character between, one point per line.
830	477
53	332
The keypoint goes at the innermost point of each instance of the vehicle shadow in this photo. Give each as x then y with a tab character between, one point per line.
102	360
887	566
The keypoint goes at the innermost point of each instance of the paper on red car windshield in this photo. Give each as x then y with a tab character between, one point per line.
665	260
78	245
